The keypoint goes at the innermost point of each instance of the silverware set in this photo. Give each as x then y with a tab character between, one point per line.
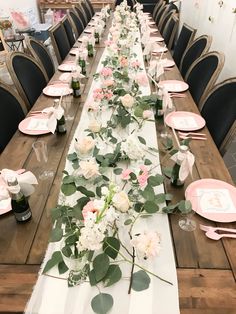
212	232
192	135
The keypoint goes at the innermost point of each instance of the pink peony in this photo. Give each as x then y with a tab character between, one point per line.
89	208
125	175
142	179
148	244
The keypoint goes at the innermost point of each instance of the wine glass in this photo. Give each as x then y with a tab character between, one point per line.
41	152
186	221
66	105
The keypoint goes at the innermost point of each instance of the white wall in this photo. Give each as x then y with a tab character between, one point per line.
28	6
196	13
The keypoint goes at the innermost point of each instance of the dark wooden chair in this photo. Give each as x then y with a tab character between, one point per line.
13	110
219	111
42	55
28	76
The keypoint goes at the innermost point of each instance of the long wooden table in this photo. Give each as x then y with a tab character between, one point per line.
206	269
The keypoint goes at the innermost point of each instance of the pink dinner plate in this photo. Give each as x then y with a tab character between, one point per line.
57	90
67	67
88	31
174	86
160	50
213	199
185	121
157	39
74	51
24	125
65	77
168	63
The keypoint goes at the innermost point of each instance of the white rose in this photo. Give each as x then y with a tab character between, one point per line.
85	145
127	101
104	191
88	168
121	201
94	126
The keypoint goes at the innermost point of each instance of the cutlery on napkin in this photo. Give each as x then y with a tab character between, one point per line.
192	135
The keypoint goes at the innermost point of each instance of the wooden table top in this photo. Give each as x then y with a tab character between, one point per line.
206	269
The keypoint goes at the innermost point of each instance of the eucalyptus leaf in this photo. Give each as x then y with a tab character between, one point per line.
92	278
56	235
140	281
53	261
113	275
72	157
102	303
100	266
68	179
142	140
128	222
147	162
118	171
151	207
111	246
148	193
62	268
156	180
160	198
86	192
68	189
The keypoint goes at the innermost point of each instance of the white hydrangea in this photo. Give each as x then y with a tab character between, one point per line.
132	148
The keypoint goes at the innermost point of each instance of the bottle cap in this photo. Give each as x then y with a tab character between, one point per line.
11	180
183	148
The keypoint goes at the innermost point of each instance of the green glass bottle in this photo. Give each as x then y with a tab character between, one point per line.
175	180
61	123
90	50
82	64
97	37
159	112
19	202
75	85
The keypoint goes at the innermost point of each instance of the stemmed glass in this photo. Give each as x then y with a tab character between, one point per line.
66	105
41	152
186	221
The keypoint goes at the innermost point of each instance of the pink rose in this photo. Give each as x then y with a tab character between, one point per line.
125	175
135	64
124	62
142	179
106	72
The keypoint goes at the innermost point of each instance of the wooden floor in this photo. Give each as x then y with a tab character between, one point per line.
206	269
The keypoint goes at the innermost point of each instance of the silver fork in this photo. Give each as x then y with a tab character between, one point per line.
210	228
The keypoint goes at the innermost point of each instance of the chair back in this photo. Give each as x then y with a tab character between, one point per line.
185	37
69	30
86	10
162	16
90	6
28	76
81	15
203	74
160	13
60	41
157	9
164	20
219	111
195	50
12	111
170	30
41	54
76	21
172	6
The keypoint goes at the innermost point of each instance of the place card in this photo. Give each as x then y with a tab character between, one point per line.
184	122
215	201
38	124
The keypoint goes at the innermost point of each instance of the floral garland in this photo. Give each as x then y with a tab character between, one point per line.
90	230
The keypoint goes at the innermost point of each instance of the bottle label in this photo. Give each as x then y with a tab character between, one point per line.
61	128
24	215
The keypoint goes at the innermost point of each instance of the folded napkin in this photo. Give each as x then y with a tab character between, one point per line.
54	115
26	180
186	161
167	101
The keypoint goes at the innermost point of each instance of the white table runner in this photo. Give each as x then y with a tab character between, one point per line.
52	296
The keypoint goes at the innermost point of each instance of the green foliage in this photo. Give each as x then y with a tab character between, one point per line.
113	275
100	266
53	261
102	303
111	247
140	281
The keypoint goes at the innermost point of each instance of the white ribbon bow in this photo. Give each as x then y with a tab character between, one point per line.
186	161
167	101
54	115
25	179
